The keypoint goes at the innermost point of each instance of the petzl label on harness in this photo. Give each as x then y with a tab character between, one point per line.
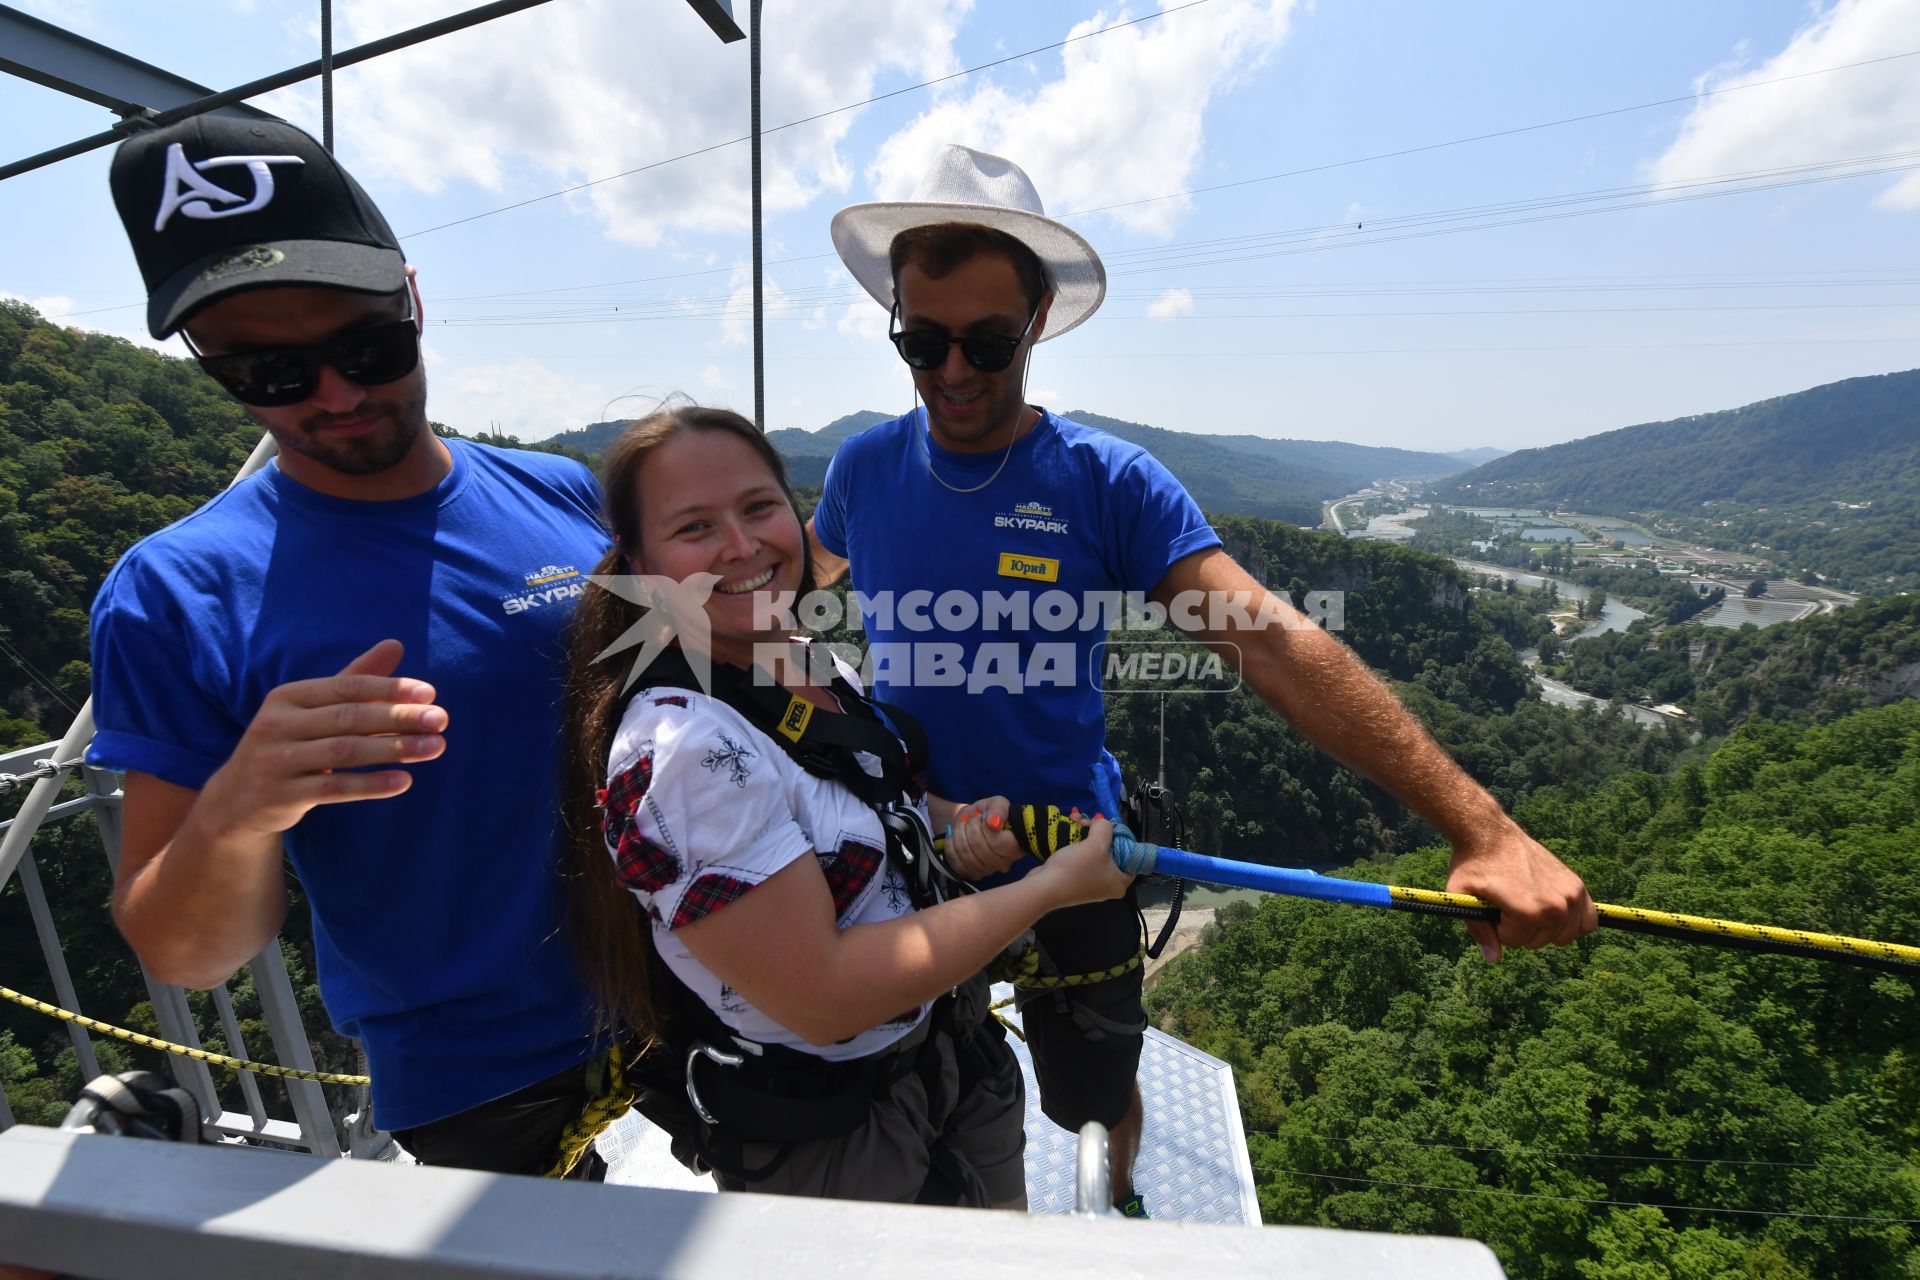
1037	568
793	721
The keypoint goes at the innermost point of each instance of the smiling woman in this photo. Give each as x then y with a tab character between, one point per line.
754	883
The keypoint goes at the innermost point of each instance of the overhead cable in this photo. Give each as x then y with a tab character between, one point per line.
821	115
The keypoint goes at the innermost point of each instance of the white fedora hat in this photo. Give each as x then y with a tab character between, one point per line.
965	185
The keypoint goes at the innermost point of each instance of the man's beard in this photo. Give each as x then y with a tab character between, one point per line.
378	450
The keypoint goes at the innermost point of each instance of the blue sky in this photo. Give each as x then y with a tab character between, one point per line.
1330	304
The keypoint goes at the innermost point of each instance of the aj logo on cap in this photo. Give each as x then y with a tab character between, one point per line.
184	191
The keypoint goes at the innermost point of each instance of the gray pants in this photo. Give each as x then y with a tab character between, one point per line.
977	1112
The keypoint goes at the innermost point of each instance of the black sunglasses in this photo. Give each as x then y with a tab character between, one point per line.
926	349
278	376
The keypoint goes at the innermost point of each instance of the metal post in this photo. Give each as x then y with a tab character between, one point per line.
1163	742
290	1047
237	1046
171	1013
13	845
326	74
63	991
1092	1180
759	308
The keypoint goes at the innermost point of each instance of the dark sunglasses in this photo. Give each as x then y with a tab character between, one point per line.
926	349
278	376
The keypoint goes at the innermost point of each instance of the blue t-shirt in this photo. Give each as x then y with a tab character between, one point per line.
1076	519
436	911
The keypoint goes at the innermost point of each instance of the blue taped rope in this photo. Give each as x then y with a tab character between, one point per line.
1140	858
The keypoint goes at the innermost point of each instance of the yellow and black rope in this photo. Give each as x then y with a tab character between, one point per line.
613	1095
185	1051
1044	831
1665	924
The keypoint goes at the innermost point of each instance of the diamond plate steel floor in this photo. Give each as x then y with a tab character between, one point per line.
1193	1164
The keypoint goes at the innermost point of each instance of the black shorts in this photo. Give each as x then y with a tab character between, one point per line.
1085	1040
519	1133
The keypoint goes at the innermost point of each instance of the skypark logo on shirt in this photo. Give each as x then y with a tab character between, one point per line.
548	585
1030	517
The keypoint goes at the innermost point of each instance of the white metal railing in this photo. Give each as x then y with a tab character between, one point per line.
50	766
114	1208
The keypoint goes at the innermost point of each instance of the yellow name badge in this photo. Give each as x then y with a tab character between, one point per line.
793	723
1036	568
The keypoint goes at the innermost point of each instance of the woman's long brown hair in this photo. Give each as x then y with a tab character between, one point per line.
612	937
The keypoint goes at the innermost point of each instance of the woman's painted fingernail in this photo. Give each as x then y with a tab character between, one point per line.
995	821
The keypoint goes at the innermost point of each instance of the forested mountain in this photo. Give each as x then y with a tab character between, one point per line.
1239	475
1276	479
1630	1108
1826	480
101	443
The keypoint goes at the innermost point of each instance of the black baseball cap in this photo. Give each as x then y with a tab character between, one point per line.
216	205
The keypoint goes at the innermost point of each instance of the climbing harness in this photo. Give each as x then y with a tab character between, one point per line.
1152	814
714	1091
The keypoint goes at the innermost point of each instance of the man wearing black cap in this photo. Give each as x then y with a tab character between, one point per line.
352	657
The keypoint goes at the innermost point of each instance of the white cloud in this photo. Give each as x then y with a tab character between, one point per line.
127	322
52	307
713	379
522	397
736	322
1174	302
1123	121
865	321
590	88
1866	111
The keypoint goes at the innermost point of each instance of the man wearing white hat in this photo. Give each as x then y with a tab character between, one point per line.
979	496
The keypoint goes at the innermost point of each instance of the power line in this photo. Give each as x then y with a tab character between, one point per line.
1385	155
33	673
1323	243
1597	1202
734	313
1382	1142
794	124
1257	245
1485	137
1361	289
885	355
1527	204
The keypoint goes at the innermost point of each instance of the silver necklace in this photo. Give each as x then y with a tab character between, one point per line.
927	451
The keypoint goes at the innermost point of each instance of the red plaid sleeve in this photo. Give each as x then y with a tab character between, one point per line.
639	863
849	869
710	891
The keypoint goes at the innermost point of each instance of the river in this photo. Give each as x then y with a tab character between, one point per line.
1614	616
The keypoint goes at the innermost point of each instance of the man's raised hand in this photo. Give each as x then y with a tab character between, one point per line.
312	742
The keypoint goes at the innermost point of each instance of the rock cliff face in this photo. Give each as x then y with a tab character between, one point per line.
1901	682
